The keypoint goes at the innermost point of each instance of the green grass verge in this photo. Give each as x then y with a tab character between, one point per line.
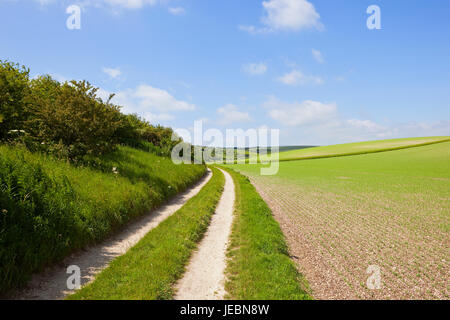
149	270
49	208
259	266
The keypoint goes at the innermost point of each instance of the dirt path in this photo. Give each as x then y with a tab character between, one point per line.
205	275
52	283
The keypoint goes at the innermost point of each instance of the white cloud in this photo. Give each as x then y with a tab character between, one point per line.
149	102
318	56
230	114
287	15
177	11
59	77
291	15
112	72
296	77
131	4
203	120
44	2
255	68
113	4
367	125
319	123
300	113
157	118
150	97
254	30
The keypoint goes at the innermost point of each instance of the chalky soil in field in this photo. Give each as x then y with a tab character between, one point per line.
388	211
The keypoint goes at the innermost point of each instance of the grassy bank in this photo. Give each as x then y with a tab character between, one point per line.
150	269
259	265
49	208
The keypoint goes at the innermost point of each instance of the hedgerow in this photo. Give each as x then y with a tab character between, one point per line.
73	169
69	119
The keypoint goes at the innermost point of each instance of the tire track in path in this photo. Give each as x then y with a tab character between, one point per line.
204	278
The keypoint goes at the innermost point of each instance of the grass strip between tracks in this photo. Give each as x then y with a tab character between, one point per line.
150	269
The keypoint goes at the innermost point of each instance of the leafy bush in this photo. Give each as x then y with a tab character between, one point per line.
69	119
14	88
138	133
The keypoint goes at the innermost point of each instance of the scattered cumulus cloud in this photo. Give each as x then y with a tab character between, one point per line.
291	15
158	118
129	4
177	11
297	78
116	5
254	30
320	123
154	98
152	103
112	72
287	15
58	77
44	2
255	68
203	119
300	113
367	125
230	114
317	55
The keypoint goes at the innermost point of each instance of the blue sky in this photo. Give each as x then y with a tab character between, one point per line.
310	68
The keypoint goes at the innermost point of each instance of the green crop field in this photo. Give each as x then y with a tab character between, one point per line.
389	209
357	148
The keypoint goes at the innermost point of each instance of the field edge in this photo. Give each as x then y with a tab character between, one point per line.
259	266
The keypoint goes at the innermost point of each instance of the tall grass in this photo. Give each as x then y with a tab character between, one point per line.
49	208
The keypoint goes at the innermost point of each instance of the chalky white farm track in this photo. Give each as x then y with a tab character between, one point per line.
205	275
52	283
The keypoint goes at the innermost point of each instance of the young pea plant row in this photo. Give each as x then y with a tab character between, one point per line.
379	215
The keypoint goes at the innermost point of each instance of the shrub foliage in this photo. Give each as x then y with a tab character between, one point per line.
69	119
14	88
48	206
